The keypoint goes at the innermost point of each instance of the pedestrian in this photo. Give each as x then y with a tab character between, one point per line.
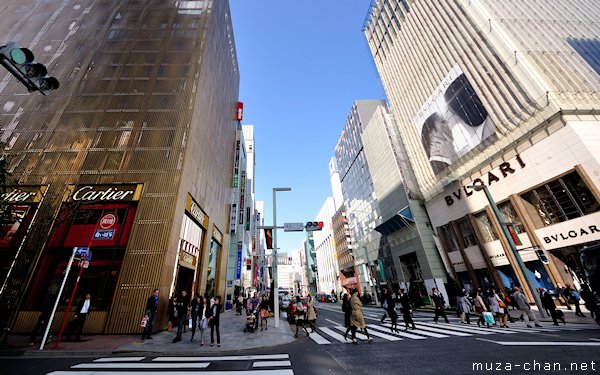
203	317
172	312
480	307
239	304
576	299
214	320
311	313
83	308
264	311
357	319
524	307
181	306
391	310
464	307
492	300
300	316
406	310
565	293
591	302
347	309
151	310
255	309
195	311
548	304
503	310
439	303
384	304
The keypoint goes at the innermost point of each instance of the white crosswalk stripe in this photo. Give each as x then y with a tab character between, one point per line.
425	330
269	364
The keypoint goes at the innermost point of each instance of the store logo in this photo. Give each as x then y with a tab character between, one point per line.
101	193
504	170
581	232
17	195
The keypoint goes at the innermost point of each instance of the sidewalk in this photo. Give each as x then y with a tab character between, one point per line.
232	339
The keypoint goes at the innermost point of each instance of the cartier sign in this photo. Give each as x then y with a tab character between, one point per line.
89	193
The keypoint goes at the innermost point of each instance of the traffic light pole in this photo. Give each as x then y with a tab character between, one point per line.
275	284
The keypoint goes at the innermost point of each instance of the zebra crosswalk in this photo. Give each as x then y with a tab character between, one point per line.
431	330
269	364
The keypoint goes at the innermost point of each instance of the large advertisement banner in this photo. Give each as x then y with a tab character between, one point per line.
452	121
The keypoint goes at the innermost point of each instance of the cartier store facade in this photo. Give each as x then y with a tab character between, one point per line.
548	193
131	157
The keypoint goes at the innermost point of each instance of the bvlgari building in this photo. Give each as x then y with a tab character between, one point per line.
132	157
502	94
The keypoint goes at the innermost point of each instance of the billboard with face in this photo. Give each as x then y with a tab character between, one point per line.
452	121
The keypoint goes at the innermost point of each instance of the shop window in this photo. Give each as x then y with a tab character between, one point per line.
562	199
211	278
448	233
467	232
509	216
485	227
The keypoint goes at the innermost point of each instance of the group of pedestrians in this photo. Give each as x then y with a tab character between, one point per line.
305	314
196	313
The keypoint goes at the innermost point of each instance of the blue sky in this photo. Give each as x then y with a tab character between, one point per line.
302	65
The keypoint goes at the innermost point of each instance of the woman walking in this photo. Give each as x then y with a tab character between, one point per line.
311	313
347	309
215	313
492	300
264	311
480	308
357	319
203	317
300	316
196	305
464	307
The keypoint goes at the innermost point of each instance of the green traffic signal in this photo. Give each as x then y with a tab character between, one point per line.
18	56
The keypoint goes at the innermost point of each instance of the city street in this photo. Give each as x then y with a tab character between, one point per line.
431	348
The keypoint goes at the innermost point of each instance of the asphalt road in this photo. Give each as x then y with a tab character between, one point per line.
431	349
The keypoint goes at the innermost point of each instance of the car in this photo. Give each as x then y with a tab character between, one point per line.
291	309
331	298
321	297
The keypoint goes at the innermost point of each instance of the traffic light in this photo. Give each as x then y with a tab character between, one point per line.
20	62
313	225
542	256
248	264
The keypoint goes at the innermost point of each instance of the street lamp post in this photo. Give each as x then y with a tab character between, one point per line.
275	284
513	246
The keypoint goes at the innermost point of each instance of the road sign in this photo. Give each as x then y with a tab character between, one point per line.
80	252
108	221
293	227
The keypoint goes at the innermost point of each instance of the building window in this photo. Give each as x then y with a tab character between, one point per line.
485	227
448	233
562	199
510	216
467	232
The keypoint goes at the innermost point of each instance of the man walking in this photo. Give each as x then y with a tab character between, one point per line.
384	304
524	307
439	304
151	310
548	304
181	305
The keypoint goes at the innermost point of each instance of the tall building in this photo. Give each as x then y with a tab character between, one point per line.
503	95
132	157
328	271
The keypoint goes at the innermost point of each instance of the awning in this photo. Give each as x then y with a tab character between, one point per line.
402	219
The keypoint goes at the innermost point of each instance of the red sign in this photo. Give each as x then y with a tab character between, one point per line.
239	113
108	221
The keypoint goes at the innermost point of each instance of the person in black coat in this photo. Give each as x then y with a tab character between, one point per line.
83	308
438	301
181	306
213	322
196	309
406	310
347	309
548	304
151	310
591	302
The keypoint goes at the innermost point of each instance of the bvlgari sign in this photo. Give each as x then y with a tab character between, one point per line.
572	232
95	193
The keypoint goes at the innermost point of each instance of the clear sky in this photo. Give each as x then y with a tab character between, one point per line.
302	65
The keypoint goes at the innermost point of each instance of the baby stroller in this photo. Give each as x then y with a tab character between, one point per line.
250	322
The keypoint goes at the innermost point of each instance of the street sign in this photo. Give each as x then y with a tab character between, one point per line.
293	227
80	252
108	221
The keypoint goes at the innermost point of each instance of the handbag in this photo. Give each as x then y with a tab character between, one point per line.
203	323
502	304
190	323
211	323
144	321
488	317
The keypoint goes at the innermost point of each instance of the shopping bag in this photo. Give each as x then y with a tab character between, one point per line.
488	317
204	323
144	321
190	323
